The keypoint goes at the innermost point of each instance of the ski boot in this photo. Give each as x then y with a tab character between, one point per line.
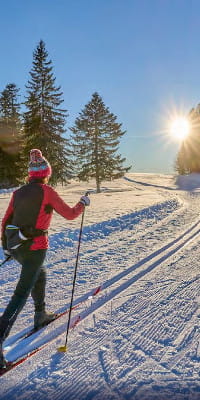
42	318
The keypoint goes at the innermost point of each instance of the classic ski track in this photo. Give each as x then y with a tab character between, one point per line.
17	338
109	248
164	253
9	274
171	360
160	222
117	285
170	249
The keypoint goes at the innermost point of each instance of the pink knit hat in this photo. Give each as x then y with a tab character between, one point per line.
38	167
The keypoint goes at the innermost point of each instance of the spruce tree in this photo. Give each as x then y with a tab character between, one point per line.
95	137
10	135
181	161
188	157
44	120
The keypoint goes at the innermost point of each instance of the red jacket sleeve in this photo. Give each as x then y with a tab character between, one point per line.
62	208
6	220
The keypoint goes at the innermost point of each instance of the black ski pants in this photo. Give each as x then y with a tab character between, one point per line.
32	281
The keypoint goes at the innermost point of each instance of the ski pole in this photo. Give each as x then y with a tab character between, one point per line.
64	348
4	261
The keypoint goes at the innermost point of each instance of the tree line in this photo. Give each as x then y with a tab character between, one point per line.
91	149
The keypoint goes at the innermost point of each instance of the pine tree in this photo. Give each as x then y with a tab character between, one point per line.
44	120
95	138
181	161
188	157
10	135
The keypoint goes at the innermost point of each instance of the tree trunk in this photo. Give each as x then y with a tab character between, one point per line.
98	185
97	158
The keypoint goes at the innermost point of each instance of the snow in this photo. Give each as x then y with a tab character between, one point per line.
139	337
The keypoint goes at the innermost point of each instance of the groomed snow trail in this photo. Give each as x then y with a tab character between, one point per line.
139	339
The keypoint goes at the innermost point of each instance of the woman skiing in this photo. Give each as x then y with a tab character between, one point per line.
24	236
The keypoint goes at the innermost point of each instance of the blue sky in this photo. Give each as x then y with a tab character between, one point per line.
141	56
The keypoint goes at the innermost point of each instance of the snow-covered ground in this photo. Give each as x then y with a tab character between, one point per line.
139	337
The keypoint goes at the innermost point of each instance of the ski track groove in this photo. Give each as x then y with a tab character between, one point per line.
100	258
148	338
120	284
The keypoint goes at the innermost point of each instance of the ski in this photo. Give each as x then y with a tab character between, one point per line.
20	360
58	315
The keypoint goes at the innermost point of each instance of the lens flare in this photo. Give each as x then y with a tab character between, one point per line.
179	128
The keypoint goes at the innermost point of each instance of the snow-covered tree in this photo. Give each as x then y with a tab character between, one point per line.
95	138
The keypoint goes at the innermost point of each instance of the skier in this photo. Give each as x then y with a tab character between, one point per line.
24	236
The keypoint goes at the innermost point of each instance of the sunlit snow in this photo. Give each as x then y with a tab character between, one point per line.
138	338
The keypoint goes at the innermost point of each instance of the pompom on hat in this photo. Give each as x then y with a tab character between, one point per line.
38	166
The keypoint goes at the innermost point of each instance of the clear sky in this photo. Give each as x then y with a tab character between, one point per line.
141	56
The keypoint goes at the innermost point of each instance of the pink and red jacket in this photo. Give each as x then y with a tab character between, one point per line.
32	206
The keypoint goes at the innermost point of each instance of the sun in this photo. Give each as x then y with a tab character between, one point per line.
179	128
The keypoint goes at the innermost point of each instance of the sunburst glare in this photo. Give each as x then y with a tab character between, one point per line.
179	128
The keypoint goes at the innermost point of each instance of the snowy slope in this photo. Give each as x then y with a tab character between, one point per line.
139	337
